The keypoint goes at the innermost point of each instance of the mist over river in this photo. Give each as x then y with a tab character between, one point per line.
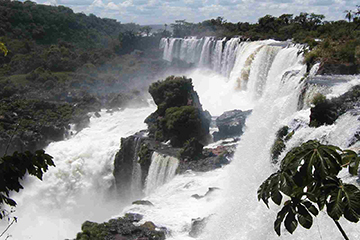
265	76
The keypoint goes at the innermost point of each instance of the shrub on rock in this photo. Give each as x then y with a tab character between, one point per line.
172	92
179	115
192	150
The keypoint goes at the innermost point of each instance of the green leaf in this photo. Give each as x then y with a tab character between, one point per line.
335	205
263	192
276	197
290	221
280	217
352	202
351	159
265	189
304	217
311	208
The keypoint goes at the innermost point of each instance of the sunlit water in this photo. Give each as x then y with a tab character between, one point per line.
258	76
78	188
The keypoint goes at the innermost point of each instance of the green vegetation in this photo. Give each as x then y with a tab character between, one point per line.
192	150
120	228
308	178
68	64
172	92
55	48
282	136
179	116
13	168
145	154
331	42
181	124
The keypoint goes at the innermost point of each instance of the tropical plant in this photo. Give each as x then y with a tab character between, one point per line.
308	178
14	167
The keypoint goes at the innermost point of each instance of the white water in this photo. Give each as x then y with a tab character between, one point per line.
73	192
78	188
161	171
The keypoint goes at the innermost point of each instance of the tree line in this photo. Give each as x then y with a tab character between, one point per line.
337	42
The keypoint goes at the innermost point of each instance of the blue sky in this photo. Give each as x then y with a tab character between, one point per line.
167	11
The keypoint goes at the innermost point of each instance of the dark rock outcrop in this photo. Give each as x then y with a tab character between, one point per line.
211	190
210	160
120	228
191	151
327	111
328	68
125	161
136	149
179	115
133	217
230	124
197	226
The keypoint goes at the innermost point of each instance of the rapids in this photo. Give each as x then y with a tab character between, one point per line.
79	188
266	76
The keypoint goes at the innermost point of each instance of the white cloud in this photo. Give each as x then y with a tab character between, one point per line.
98	3
112	6
167	11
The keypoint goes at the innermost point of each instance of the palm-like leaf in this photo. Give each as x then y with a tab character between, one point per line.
308	174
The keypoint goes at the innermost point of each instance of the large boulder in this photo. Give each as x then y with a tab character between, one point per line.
136	150
326	111
336	68
125	162
179	115
210	159
120	228
230	124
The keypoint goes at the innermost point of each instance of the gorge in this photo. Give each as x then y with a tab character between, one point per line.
267	77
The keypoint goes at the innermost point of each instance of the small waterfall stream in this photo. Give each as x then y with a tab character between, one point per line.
162	170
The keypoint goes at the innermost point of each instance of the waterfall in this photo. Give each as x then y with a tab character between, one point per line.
80	187
241	215
127	169
162	170
136	184
266	76
269	78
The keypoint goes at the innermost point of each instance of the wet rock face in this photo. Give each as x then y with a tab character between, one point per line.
327	68
119	229
230	124
124	163
327	111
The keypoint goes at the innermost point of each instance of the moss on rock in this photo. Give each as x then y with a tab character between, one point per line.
179	115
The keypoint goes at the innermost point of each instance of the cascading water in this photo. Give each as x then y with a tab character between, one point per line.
136	184
162	170
271	82
275	83
79	188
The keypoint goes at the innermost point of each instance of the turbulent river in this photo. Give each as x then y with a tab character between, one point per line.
266	76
